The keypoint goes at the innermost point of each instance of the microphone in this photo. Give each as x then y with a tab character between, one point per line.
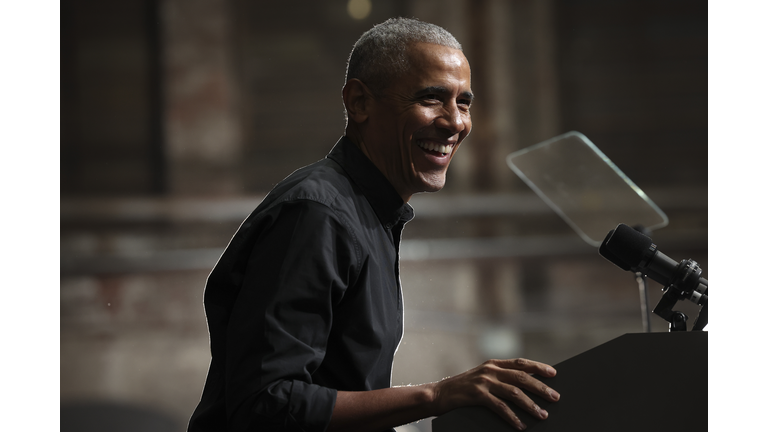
633	251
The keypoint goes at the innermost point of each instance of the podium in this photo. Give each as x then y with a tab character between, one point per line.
636	382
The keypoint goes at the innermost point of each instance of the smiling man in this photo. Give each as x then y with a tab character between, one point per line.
304	307
412	127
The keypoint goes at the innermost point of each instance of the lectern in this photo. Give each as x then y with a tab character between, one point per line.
647	382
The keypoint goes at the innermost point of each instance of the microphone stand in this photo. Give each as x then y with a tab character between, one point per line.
642	285
686	285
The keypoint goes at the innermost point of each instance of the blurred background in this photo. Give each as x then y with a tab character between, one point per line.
178	116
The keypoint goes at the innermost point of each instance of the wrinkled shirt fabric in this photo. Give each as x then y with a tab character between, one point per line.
306	299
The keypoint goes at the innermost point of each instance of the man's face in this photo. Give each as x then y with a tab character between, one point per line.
419	120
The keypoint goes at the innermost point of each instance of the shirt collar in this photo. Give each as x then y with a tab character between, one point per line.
384	199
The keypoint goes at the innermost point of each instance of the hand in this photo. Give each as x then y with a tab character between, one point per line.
494	382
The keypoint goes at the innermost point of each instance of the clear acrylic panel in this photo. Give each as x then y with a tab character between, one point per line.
584	187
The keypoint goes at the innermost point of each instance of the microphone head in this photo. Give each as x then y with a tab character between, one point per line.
628	245
606	253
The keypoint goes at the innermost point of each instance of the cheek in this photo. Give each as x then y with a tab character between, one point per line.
420	119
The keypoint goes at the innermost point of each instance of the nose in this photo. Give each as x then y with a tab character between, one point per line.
452	119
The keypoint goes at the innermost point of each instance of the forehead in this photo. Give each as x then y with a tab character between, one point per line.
431	64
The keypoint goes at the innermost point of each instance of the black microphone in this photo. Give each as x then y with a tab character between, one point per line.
633	251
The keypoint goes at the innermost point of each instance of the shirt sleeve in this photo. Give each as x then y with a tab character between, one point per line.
303	259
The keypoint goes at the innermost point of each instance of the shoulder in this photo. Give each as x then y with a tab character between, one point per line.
324	183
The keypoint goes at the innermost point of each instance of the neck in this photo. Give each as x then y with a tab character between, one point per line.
356	138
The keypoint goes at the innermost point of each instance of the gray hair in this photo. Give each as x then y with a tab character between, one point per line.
379	56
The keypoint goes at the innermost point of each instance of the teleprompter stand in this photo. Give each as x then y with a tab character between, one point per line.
637	382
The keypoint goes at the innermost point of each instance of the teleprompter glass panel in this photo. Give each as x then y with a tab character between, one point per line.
584	187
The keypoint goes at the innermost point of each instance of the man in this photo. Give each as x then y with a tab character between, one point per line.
304	307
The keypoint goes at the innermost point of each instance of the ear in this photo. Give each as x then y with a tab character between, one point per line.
357	100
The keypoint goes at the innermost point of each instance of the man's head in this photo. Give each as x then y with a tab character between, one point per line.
379	56
407	97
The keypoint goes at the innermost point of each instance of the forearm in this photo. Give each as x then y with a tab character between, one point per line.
377	410
494	384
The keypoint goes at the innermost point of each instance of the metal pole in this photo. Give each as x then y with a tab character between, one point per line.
644	309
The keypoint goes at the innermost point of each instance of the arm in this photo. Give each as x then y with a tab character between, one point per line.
276	338
280	321
490	385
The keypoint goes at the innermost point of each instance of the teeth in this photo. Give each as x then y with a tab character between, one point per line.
435	147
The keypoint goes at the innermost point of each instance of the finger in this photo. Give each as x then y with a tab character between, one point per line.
517	397
512	376
503	410
521	379
529	366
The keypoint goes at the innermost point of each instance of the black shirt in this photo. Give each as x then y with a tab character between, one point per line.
306	299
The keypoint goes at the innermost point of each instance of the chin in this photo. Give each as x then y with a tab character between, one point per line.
433	185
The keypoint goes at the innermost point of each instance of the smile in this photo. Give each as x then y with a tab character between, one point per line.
440	148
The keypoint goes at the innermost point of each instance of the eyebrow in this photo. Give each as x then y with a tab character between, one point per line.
444	91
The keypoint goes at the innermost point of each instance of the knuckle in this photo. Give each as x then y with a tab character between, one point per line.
514	393
521	363
521	376
488	367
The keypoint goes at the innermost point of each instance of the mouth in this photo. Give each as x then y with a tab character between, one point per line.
442	149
